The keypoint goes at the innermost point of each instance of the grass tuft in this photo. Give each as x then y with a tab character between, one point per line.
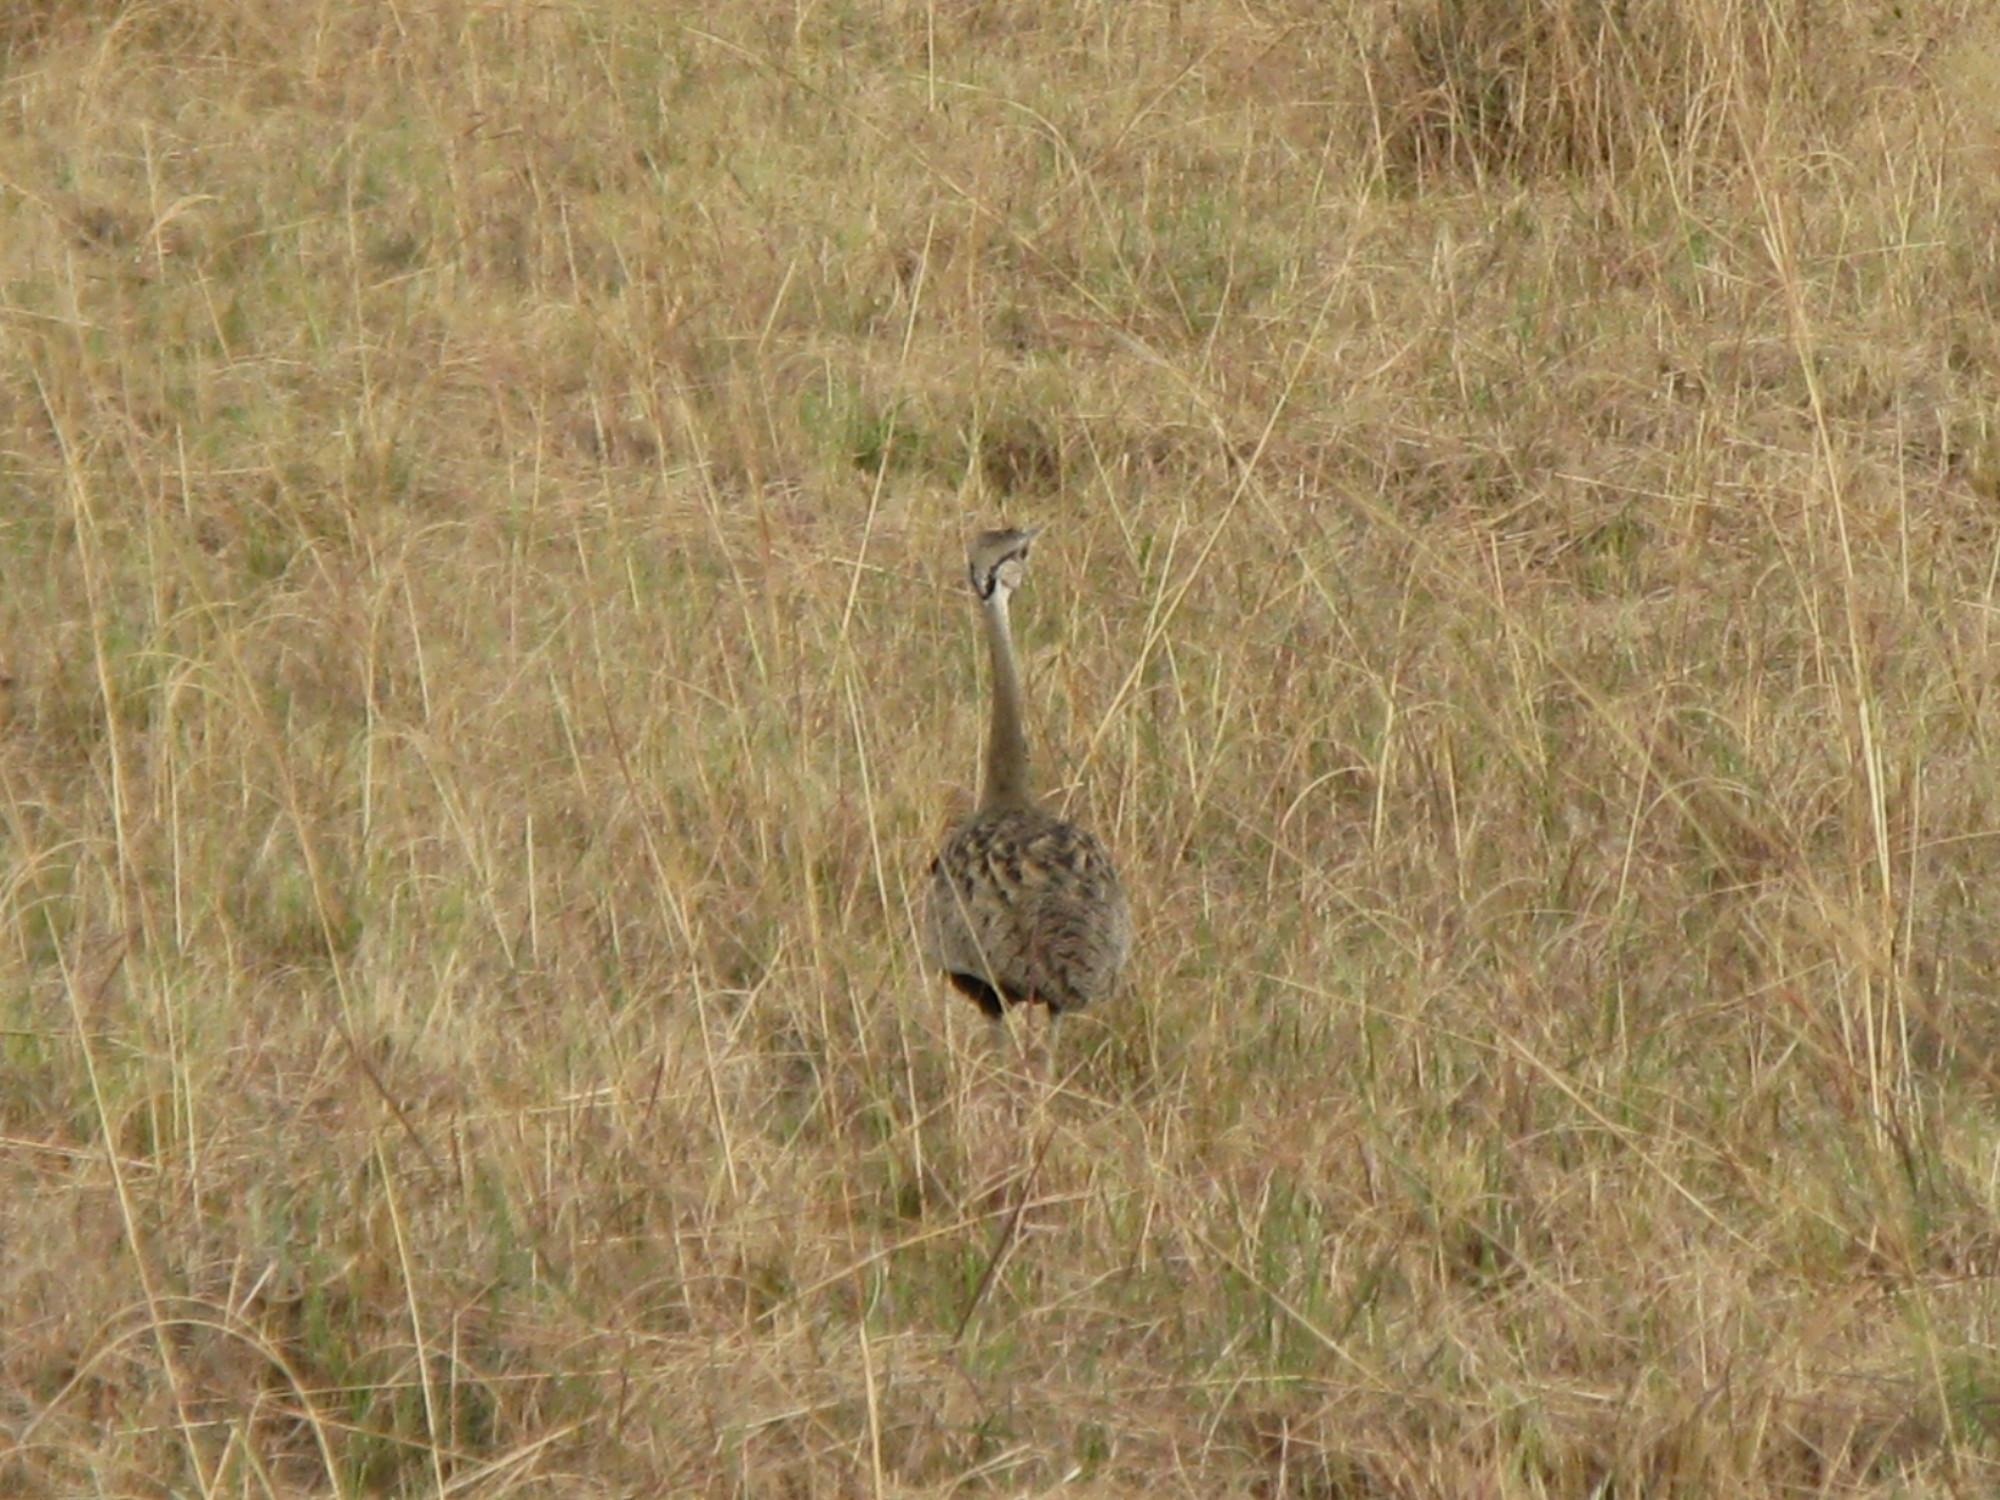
1527	89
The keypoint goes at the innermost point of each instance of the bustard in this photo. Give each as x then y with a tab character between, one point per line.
1023	905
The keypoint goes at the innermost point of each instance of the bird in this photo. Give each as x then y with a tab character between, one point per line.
1023	907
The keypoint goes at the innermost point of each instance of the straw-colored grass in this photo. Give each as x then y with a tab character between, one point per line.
486	662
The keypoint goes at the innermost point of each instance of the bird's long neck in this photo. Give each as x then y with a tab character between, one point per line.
1006	743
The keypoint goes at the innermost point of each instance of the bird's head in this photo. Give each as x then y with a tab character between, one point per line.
998	562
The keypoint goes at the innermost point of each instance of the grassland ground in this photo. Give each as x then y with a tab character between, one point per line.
484	663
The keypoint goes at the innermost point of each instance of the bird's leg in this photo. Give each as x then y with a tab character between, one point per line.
1011	1053
1038	1068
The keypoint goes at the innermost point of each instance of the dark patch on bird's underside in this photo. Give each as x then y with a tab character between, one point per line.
983	994
993	1003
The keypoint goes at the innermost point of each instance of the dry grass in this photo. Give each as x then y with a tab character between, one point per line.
481	491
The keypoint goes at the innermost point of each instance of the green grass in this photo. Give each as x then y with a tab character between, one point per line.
484	664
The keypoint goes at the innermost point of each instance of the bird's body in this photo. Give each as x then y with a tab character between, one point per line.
1024	907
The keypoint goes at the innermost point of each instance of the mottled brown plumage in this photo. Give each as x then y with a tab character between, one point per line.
1023	906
